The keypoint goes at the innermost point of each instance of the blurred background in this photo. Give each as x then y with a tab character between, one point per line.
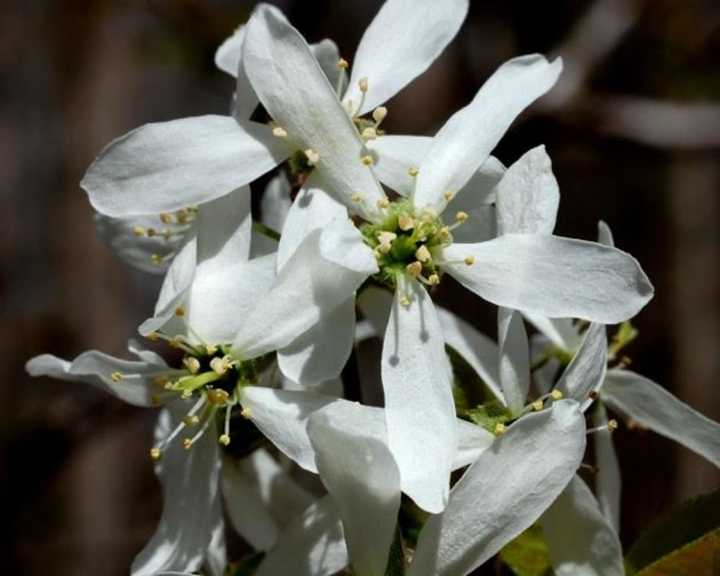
633	129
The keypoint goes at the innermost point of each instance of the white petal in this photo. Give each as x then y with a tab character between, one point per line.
171	165
362	478
97	368
307	288
552	276
477	349
514	358
321	353
313	209
282	415
396	156
504	492
179	276
528	196
375	304
586	371
342	243
653	407
401	42
473	440
298	96
313	545
605	234
608	484
276	203
261	498
192	502
465	141
229	54
580	541
560	331
419	406
332	387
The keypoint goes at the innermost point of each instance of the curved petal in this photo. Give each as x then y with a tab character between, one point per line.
419	405
401	42
586	371
134	386
528	196
261	498
473	440
312	545
229	54
504	492
361	476
552	276
579	539
312	209
167	166
605	235
309	287
298	96
608	484
653	407
560	331
179	277
477	349
276	203
465	141
514	358
321	353
192	501
375	304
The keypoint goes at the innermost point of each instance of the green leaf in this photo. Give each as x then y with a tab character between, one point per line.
247	566
527	555
684	541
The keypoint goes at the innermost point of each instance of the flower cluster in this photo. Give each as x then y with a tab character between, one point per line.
260	319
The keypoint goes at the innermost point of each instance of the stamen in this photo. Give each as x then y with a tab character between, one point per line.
363	85
405	222
225	437
155	454
386	239
537	405
188	442
500	429
139	231
461	216
357	197
423	254
217	397
383	203
312	156
611	426
192	364
379	114
343	64
414	269
166	218
448	195
369	133
469	260
279	132
179	428
151	232
413	171
433	280
116	376
556	394
221	365
368	160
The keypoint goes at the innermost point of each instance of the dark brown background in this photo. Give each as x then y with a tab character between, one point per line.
633	130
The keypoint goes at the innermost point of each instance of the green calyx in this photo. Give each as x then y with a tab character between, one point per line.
406	242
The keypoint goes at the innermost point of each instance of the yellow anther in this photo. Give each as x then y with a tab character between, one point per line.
404	301
383	203
175	342
537	405
187	443
210	349
156	259
245	413
461	216
192	364
116	376
166	218
423	254
444	233
386	239
405	222
556	394
224	439
312	156
220	365
469	260
179	311
500	429
356	197
151	232
369	133
612	425
368	160
413	171
139	231
343	64
433	280
183	216
279	132
155	454
217	396
379	114
191	420
414	269
153	336
448	195
363	84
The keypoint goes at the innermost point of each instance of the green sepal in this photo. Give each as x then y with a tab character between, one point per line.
685	540
528	555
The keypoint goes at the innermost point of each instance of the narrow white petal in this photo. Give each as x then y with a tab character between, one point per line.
276	203
375	304
192	502
553	276
179	276
473	440
528	196
308	288
465	141
560	331
586	371
261	498
321	353
401	42
514	358
504	492
653	407
171	165
579	538
477	349
362	478
312	209
312	545
96	368
608	483
298	96
419	406
342	243
605	235
229	55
